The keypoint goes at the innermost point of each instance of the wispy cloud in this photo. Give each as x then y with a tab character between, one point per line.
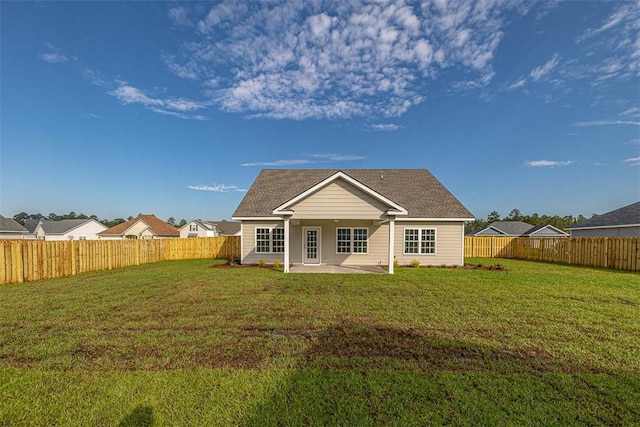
543	70
217	188
608	123
520	83
53	56
311	158
94	116
633	161
383	127
176	107
634	141
287	162
547	163
93	77
297	60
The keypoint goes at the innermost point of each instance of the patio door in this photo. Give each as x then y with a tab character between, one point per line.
311	245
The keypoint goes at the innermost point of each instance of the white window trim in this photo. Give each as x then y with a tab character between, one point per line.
255	237
351	241
420	253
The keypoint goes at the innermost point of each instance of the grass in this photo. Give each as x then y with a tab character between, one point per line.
180	343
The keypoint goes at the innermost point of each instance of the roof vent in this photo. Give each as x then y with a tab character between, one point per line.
381	176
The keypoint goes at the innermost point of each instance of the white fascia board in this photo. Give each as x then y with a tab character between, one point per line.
491	226
437	219
257	218
335	176
549	226
604	226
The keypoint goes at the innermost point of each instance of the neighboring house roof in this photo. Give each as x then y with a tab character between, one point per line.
228	228
544	229
623	217
10	225
517	229
508	228
31	224
416	190
155	225
62	226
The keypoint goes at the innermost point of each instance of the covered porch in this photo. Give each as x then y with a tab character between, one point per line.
338	269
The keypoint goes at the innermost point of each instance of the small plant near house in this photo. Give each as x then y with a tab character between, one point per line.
443	266
261	263
396	264
414	263
231	259
277	263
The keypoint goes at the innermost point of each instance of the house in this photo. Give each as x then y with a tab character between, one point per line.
519	229
66	229
351	217
199	228
623	222
11	229
141	227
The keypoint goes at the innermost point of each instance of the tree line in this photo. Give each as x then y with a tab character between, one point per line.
23	216
560	222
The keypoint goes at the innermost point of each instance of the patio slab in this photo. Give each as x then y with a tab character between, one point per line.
338	269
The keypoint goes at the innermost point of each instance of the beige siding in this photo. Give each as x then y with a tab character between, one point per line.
339	200
608	232
449	243
249	255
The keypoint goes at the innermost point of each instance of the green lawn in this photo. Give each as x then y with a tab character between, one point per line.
180	343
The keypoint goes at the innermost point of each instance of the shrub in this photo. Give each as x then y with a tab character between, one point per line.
396	264
231	259
415	263
277	263
261	263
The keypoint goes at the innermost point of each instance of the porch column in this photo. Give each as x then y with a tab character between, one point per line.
392	222
286	244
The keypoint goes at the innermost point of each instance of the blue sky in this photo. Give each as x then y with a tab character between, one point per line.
120	108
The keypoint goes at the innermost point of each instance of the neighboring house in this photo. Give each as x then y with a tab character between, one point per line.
351	217
66	229
623	222
199	228
11	229
141	227
519	229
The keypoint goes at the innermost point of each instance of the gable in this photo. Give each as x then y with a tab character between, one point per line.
339	199
490	231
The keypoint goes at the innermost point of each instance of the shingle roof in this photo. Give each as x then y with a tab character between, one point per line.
228	228
512	228
159	227
626	215
417	190
11	225
62	226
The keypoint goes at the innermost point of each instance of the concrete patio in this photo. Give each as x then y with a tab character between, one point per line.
338	269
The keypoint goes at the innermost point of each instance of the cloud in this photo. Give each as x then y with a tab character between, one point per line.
279	163
633	161
547	163
53	56
635	141
217	188
543	70
93	77
312	158
297	60
518	84
179	16
176	107
608	123
94	116
383	127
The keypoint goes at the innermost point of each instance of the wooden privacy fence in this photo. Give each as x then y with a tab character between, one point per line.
621	253
29	260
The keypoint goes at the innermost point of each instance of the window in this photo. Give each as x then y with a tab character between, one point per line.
193	227
352	240
269	240
82	238
420	241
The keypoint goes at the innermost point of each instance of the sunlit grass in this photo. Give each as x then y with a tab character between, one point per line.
181	343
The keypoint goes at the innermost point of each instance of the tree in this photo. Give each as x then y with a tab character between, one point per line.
493	217
182	223
171	221
515	215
